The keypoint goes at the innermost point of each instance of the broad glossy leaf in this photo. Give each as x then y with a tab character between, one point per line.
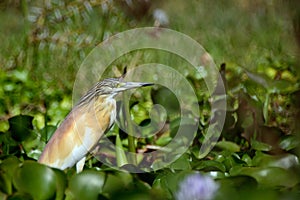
159	185
125	177
87	185
217	174
210	165
168	181
61	184
7	170
20	127
260	146
164	140
8	144
47	132
247	159
268	176
239	181
232	160
182	163
229	146
35	179
112	184
289	142
284	161
20	196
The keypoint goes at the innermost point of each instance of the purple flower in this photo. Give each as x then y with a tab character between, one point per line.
197	187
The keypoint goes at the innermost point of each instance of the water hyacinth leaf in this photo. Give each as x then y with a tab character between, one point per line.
20	127
35	179
285	161
112	184
210	165
131	195
8	144
247	159
162	141
159	186
217	174
61	184
168	181
182	163
269	177
260	146
87	185
47	132
140	186
228	145
20	196
5	183
239	182
289	142
232	160
7	170
125	177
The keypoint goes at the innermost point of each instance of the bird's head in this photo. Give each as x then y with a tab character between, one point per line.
113	86
108	88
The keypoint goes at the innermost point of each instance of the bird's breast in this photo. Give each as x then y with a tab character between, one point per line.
105	112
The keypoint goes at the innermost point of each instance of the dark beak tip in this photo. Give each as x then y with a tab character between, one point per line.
148	84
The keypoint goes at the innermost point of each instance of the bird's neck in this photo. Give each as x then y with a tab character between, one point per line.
106	107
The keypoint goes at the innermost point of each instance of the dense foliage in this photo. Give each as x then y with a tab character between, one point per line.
256	157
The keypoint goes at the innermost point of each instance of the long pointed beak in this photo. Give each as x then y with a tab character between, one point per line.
131	85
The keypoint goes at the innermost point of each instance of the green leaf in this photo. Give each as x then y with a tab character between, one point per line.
247	159
7	170
267	176
210	165
164	140
260	146
112	184
229	146
159	185
285	161
20	127
87	185
35	179
61	184
20	196
120	154
47	132
239	182
182	163
289	142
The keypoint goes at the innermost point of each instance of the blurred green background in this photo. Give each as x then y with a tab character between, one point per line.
257	43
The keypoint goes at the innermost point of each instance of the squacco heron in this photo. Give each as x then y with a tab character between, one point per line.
83	127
